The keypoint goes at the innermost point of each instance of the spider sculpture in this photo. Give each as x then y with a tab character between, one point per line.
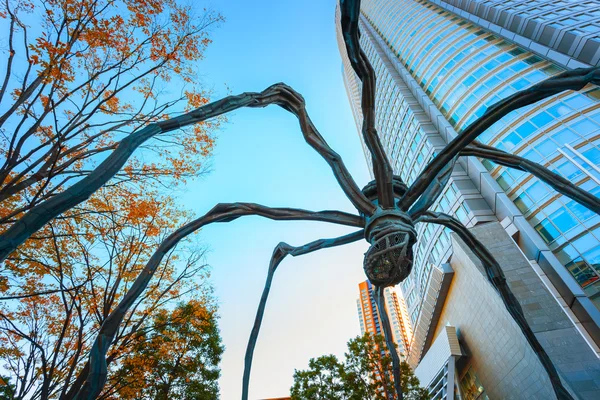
388	209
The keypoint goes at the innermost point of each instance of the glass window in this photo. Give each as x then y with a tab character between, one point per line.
526	129
563	220
585	127
547	231
546	148
559	110
537	191
472	388
582	273
505	180
580	211
523	202
593	256
585	243
511	141
568	170
542	119
593	155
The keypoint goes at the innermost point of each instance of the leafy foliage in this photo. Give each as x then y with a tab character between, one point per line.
177	357
79	76
366	373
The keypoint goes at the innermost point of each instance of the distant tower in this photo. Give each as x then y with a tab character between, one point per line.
370	320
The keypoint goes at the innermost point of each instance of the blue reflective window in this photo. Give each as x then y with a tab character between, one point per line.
547	231
546	147
569	170
593	155
542	119
559	110
520	84
505	180
583	274
536	76
469	81
584	127
537	191
510	141
578	101
564	136
585	243
526	129
580	211
533	155
563	220
523	202
593	256
567	254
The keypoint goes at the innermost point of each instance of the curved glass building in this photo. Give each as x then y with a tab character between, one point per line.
440	65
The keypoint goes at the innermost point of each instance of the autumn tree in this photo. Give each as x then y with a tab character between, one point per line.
80	77
365	374
175	357
101	249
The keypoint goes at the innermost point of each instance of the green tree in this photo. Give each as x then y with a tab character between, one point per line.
7	389
176	357
366	374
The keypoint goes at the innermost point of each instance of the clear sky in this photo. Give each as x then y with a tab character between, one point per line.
261	157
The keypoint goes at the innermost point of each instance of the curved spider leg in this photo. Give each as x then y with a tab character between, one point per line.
434	190
293	102
280	252
279	94
226	212
498	280
556	181
350	10
387	333
570	80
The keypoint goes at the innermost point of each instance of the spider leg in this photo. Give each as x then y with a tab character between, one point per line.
570	80
279	94
225	212
557	182
280	252
350	10
387	333
433	191
498	280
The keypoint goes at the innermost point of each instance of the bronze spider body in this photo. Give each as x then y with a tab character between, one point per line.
388	209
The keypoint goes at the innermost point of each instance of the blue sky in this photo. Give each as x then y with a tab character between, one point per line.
261	157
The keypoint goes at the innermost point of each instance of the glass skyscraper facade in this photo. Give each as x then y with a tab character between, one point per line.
439	65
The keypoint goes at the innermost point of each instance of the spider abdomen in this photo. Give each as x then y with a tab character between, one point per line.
389	260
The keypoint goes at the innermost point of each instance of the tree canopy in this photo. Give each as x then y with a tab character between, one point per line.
365	374
79	77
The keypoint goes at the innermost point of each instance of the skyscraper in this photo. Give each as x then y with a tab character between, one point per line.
369	317
439	65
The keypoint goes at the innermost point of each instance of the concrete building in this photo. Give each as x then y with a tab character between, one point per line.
369	317
439	65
